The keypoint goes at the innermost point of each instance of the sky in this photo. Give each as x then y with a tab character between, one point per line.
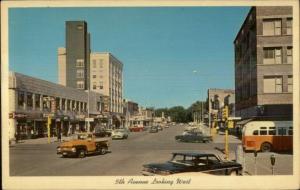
171	55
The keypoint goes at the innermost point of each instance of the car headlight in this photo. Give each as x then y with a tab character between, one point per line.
58	149
73	149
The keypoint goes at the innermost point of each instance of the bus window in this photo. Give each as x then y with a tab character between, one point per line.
263	127
263	132
255	132
290	131
272	131
281	131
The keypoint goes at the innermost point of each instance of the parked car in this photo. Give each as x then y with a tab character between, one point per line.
153	129
120	134
102	132
159	128
83	144
136	128
193	137
193	162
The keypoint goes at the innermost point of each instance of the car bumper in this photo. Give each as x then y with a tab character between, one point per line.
145	173
67	153
117	137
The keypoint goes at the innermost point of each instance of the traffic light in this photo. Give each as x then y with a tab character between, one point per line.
225	113
215	117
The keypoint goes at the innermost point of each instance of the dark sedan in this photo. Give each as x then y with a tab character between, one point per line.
193	137
153	129
193	162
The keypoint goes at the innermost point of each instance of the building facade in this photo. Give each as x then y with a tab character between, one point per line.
263	64
107	78
32	100
61	60
77	55
217	99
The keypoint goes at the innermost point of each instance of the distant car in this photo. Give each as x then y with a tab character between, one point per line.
159	128
193	162
153	129
193	137
102	132
167	126
119	134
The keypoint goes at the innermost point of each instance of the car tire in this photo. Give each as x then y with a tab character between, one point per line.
233	173
81	153
103	150
266	147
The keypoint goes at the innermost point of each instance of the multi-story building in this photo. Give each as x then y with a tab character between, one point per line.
106	78
263	63
217	99
77	55
61	60
32	100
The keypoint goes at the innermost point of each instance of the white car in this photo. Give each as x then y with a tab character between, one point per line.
119	134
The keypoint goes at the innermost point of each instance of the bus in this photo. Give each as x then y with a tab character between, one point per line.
268	136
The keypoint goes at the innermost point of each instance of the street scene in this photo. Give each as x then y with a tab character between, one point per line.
151	91
126	157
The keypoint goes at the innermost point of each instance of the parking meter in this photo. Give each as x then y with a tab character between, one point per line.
272	159
255	168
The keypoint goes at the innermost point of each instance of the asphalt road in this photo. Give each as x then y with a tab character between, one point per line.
126	156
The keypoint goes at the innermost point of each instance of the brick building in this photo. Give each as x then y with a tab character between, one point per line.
263	64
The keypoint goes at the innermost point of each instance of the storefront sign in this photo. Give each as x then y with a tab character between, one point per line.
17	115
48	115
89	119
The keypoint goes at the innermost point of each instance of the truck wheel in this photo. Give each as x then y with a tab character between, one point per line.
81	153
266	147
103	150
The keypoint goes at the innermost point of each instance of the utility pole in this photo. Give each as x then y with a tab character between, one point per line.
225	119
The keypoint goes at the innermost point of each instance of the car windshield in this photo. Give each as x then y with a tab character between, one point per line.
194	160
84	136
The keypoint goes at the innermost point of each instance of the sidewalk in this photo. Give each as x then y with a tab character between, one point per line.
42	140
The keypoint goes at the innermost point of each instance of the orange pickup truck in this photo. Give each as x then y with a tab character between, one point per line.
84	144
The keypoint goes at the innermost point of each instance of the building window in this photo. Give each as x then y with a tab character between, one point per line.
80	73
21	98
63	104
68	105
101	63
101	85
57	100
94	63
289	55
272	27
94	76
94	86
290	83
289	26
80	85
29	99
37	100
272	55
273	84
101	76
79	63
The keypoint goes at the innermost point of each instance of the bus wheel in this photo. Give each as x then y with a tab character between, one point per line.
266	147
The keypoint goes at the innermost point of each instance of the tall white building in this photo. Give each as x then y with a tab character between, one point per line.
106	77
